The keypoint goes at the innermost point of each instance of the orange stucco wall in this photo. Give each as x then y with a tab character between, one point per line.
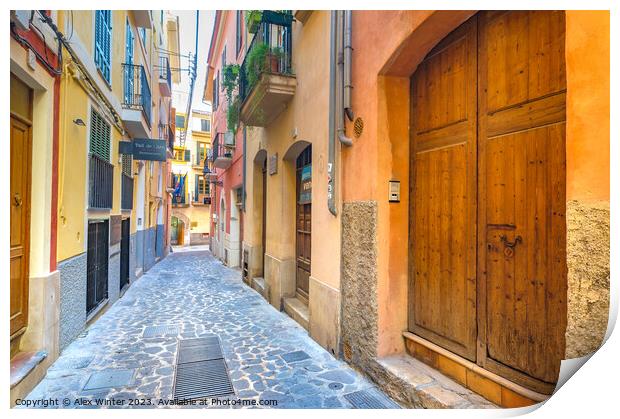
383	61
587	105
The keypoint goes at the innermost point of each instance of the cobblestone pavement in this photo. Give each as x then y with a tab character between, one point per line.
195	293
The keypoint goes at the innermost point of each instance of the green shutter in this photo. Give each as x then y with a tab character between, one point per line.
99	136
188	155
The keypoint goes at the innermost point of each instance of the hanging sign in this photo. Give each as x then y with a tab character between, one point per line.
144	149
305	185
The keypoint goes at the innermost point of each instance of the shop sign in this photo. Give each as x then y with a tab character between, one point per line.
305	185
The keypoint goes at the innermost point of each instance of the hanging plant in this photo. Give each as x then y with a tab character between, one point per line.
230	82
253	19
232	115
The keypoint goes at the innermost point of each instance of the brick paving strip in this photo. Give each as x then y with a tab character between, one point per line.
130	352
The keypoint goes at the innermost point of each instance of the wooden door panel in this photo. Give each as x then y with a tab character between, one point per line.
20	138
525	56
522	173
443	193
441	265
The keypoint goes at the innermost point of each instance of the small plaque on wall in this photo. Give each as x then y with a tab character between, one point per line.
273	164
115	228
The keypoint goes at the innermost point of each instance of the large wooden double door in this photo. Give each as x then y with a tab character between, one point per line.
487	231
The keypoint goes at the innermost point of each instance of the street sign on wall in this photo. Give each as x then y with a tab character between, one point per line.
144	149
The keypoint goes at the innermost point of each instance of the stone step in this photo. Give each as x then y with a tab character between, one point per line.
415	384
23	363
298	311
258	284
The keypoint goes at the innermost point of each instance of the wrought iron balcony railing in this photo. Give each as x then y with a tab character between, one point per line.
100	183
269	52
126	192
164	70
136	90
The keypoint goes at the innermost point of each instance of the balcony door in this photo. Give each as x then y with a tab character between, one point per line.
488	245
129	79
303	223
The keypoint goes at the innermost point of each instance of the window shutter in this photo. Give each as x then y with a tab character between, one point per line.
99	136
196	189
188	154
103	43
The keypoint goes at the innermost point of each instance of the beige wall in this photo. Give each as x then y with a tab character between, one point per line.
307	115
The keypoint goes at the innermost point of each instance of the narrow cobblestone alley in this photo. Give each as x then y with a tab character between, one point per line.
194	295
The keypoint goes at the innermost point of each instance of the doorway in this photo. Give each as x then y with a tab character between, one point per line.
488	176
303	221
124	253
21	157
97	264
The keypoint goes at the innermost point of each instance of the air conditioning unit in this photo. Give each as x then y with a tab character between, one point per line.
229	139
21	18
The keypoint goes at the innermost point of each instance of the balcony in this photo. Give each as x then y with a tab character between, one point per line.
165	78
266	79
221	155
142	18
126	192
100	183
136	113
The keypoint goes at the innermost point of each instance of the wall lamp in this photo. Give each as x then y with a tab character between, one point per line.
79	122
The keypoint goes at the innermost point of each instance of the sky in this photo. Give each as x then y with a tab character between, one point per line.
187	35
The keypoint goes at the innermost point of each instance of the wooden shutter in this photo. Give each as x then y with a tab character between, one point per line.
188	155
196	188
99	136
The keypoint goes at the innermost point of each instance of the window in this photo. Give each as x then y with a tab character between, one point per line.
99	136
223	57
179	121
201	187
216	92
201	153
239	33
103	42
205	125
201	124
181	154
142	33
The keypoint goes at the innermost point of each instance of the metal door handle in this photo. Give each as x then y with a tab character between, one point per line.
512	245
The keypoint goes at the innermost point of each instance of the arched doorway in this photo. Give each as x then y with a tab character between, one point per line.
303	223
487	229
177	231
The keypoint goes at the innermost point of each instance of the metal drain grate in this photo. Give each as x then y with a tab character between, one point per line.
201	370
295	356
199	353
370	399
190	343
158	331
202	379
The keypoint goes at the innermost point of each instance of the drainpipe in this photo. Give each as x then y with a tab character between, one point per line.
340	81
348	50
331	200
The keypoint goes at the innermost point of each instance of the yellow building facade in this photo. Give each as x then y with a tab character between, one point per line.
108	211
191	198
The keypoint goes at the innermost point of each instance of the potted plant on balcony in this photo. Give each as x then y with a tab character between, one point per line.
262	58
253	19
